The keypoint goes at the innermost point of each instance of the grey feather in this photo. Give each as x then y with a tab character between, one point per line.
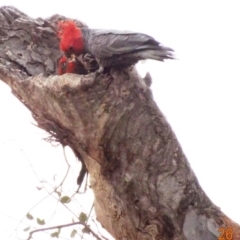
106	43
123	47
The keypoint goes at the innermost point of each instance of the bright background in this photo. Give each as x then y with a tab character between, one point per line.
198	94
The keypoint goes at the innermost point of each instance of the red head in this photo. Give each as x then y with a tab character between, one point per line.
72	65
70	37
66	65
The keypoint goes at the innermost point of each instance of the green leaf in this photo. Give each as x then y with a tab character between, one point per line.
86	230
82	217
73	233
40	222
26	229
29	216
55	234
65	199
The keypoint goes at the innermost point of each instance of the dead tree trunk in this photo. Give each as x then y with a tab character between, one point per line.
144	187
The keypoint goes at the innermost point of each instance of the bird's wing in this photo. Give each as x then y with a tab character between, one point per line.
107	43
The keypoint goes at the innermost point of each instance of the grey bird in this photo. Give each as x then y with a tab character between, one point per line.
111	48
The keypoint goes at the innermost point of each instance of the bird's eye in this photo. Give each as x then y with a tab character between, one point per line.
70	50
63	65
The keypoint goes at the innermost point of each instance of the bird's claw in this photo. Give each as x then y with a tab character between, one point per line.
88	57
98	72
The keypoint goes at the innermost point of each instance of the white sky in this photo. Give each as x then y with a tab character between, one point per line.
199	95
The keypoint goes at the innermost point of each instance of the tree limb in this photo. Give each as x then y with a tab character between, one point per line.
63	226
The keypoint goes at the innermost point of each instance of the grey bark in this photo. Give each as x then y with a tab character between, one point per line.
143	185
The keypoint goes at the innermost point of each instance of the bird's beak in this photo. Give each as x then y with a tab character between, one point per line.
73	58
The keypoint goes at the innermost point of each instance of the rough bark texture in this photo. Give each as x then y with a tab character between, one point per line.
144	187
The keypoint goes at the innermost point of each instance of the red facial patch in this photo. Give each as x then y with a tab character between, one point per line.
62	65
66	65
71	67
71	37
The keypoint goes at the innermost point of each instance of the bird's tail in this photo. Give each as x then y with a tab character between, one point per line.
160	53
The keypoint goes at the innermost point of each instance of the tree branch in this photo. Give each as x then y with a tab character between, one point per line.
63	226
